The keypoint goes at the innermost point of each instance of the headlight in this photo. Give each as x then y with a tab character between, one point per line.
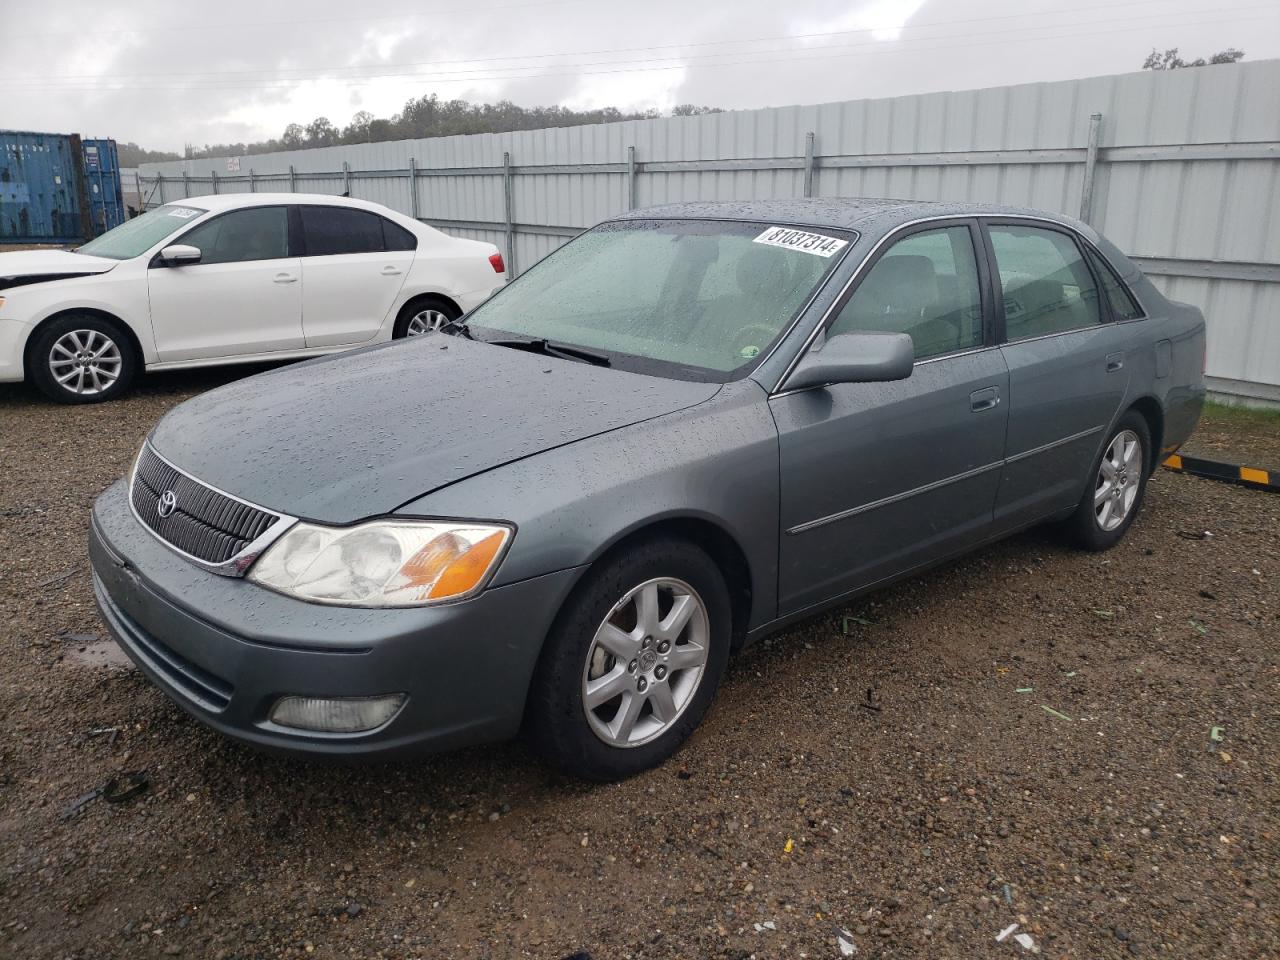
385	563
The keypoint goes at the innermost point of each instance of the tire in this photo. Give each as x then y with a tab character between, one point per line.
82	358
671	699
1094	525
429	313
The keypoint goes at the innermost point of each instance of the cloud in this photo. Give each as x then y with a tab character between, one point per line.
241	69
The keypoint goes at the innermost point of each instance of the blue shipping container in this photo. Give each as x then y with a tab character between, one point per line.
102	172
55	188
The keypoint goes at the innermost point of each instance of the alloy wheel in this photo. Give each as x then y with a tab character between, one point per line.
426	321
1118	482
645	662
85	362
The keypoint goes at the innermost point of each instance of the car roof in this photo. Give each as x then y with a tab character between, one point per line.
863	214
229	201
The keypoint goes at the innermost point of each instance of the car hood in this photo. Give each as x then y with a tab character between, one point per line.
362	433
37	266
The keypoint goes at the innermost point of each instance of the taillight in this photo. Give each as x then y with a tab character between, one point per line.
495	261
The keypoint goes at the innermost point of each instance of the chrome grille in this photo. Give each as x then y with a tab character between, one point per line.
205	524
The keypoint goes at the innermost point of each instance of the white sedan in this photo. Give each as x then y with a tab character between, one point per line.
230	279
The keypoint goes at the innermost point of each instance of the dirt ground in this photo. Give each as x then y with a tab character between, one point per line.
1083	745
1238	435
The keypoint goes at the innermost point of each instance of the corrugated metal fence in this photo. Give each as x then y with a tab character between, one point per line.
1181	169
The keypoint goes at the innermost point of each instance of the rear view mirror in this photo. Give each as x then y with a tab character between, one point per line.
855	358
180	254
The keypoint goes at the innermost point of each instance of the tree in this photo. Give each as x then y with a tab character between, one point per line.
357	131
293	137
1169	60
693	110
321	133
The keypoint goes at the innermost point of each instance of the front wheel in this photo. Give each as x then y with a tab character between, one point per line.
1114	495
82	359
633	662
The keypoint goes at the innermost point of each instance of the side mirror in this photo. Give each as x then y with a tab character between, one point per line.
179	255
855	358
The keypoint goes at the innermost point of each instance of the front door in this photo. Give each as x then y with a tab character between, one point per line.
879	478
244	297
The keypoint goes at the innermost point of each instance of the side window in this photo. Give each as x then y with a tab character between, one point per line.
1046	285
396	237
1123	306
925	285
256	233
335	230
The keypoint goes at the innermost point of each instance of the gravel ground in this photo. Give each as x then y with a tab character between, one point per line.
895	782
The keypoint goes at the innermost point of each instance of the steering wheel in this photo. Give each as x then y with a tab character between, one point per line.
754	335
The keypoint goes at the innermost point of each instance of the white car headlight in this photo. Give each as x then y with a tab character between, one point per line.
384	563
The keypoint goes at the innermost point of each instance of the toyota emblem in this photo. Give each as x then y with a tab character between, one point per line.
168	503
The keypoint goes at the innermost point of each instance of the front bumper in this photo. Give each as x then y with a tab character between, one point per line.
225	649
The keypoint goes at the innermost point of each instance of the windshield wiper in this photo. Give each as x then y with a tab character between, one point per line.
458	327
556	350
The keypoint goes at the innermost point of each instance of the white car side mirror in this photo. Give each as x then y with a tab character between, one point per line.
180	254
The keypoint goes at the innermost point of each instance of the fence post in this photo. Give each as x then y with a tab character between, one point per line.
253	185
293	180
213	174
413	187
159	190
509	216
137	185
1090	167
186	185
346	179
808	164
631	178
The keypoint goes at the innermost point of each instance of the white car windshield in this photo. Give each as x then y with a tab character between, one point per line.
135	237
695	299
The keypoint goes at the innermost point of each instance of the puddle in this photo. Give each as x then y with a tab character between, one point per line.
99	654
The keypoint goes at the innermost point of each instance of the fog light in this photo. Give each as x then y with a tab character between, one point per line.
336	715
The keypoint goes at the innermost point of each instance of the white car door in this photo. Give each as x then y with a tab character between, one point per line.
244	297
354	264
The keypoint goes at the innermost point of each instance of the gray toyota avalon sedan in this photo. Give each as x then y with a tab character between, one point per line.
683	430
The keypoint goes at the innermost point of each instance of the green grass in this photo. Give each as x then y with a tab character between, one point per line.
1240	416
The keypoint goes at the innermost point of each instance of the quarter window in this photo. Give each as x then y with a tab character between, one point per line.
255	233
925	285
1046	285
338	230
1123	306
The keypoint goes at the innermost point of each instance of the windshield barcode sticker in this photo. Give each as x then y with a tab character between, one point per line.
814	243
182	213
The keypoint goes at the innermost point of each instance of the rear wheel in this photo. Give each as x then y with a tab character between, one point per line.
81	358
424	315
1114	496
633	662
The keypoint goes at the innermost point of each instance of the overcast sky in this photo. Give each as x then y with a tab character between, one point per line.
164	74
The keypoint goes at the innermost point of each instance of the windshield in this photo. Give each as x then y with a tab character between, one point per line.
135	237
694	299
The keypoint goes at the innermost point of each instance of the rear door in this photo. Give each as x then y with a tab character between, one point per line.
1068	365
243	297
354	264
878	478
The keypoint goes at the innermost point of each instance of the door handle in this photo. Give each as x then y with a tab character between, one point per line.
988	398
286	278
1115	361
390	271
